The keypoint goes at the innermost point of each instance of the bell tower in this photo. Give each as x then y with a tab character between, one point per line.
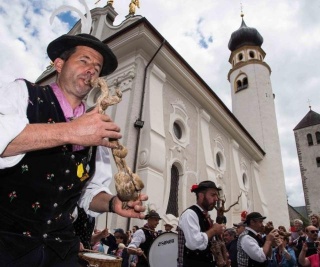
253	105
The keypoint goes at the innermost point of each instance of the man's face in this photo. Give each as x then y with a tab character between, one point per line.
227	237
240	229
76	72
257	225
167	227
118	237
153	222
208	199
312	233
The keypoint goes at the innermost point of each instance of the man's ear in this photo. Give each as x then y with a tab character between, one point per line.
58	64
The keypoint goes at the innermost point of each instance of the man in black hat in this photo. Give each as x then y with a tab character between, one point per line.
48	154
252	250
143	238
195	229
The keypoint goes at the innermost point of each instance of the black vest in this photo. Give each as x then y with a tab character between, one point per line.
198	256
145	246
39	194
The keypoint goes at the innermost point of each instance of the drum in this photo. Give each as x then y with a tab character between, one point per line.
100	260
164	250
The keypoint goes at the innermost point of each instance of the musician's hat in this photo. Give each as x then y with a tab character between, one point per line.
152	214
254	216
66	42
203	186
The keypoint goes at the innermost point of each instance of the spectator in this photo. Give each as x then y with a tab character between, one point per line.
315	221
311	261
297	237
283	255
168	227
240	227
230	239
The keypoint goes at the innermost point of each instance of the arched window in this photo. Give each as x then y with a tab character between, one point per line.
318	137
240	56
245	82
310	141
172	207
239	85
242	82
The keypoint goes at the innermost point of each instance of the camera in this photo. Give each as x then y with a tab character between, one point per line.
312	244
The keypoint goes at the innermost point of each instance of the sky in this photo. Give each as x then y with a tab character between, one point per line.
199	31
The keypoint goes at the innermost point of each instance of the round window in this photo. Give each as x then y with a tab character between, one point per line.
245	180
218	160
251	54
240	56
177	130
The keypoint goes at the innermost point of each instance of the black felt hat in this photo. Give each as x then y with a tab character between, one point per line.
203	186
152	214
66	42
254	216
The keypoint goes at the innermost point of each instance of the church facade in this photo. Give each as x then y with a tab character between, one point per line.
178	131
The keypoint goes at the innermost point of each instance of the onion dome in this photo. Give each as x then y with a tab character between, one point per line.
244	36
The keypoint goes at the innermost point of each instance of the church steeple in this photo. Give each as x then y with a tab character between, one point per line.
253	105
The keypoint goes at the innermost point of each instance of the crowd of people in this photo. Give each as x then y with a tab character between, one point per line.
202	242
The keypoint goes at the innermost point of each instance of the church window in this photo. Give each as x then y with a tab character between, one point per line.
218	160
245	181
318	162
245	82
177	130
240	56
239	85
310	141
318	137
172	207
251	54
242	83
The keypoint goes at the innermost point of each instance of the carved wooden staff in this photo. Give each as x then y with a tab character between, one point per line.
128	184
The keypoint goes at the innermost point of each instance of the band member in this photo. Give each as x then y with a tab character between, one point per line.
252	249
195	229
54	156
143	238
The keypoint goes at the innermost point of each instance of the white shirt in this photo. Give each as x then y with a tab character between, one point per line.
138	238
13	119
252	248
189	223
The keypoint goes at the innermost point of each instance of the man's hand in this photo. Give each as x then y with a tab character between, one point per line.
135	208
93	128
216	229
273	235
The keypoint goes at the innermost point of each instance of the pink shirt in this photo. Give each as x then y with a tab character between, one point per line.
68	112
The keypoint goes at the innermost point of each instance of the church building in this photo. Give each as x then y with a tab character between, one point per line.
178	132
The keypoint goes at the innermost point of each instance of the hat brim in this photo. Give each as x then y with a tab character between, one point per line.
258	218
66	42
